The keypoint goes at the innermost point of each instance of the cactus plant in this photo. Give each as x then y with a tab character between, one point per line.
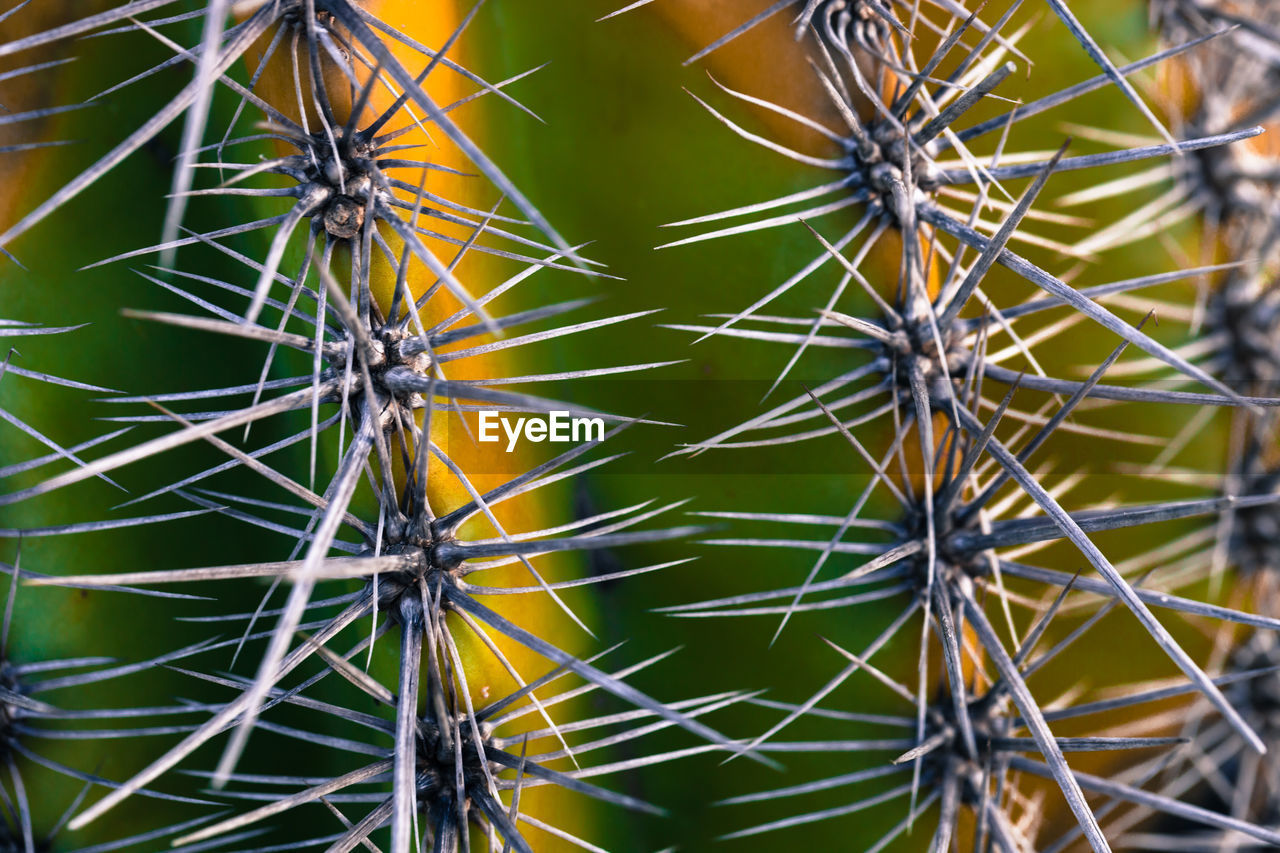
1020	469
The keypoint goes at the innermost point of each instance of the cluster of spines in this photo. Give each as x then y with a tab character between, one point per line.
32	716
453	764
1238	199
962	532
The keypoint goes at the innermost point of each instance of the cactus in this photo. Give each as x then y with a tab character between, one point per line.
1020	471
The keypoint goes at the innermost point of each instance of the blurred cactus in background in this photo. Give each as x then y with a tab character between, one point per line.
963	508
